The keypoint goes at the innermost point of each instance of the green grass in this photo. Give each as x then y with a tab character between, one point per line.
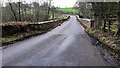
69	10
3	40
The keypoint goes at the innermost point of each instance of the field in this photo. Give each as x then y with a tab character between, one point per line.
69	10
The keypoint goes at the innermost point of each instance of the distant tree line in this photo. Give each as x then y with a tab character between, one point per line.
33	12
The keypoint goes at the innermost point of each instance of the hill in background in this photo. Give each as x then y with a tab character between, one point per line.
69	10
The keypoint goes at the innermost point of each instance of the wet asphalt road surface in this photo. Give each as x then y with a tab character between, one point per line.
66	45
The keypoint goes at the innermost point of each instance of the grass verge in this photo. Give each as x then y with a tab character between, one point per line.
107	41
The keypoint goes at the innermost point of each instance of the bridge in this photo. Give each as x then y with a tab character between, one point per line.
65	45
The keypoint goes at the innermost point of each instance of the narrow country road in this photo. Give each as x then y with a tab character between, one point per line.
66	45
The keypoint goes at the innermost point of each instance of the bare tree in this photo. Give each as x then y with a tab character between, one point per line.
13	12
1	4
34	11
48	10
19	10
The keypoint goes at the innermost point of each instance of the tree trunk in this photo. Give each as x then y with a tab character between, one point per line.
109	25
19	11
48	12
104	26
118	33
53	15
15	17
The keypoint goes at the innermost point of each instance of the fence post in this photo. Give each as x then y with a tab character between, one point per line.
92	23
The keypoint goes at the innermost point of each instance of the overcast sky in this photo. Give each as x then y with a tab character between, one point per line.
57	3
63	3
